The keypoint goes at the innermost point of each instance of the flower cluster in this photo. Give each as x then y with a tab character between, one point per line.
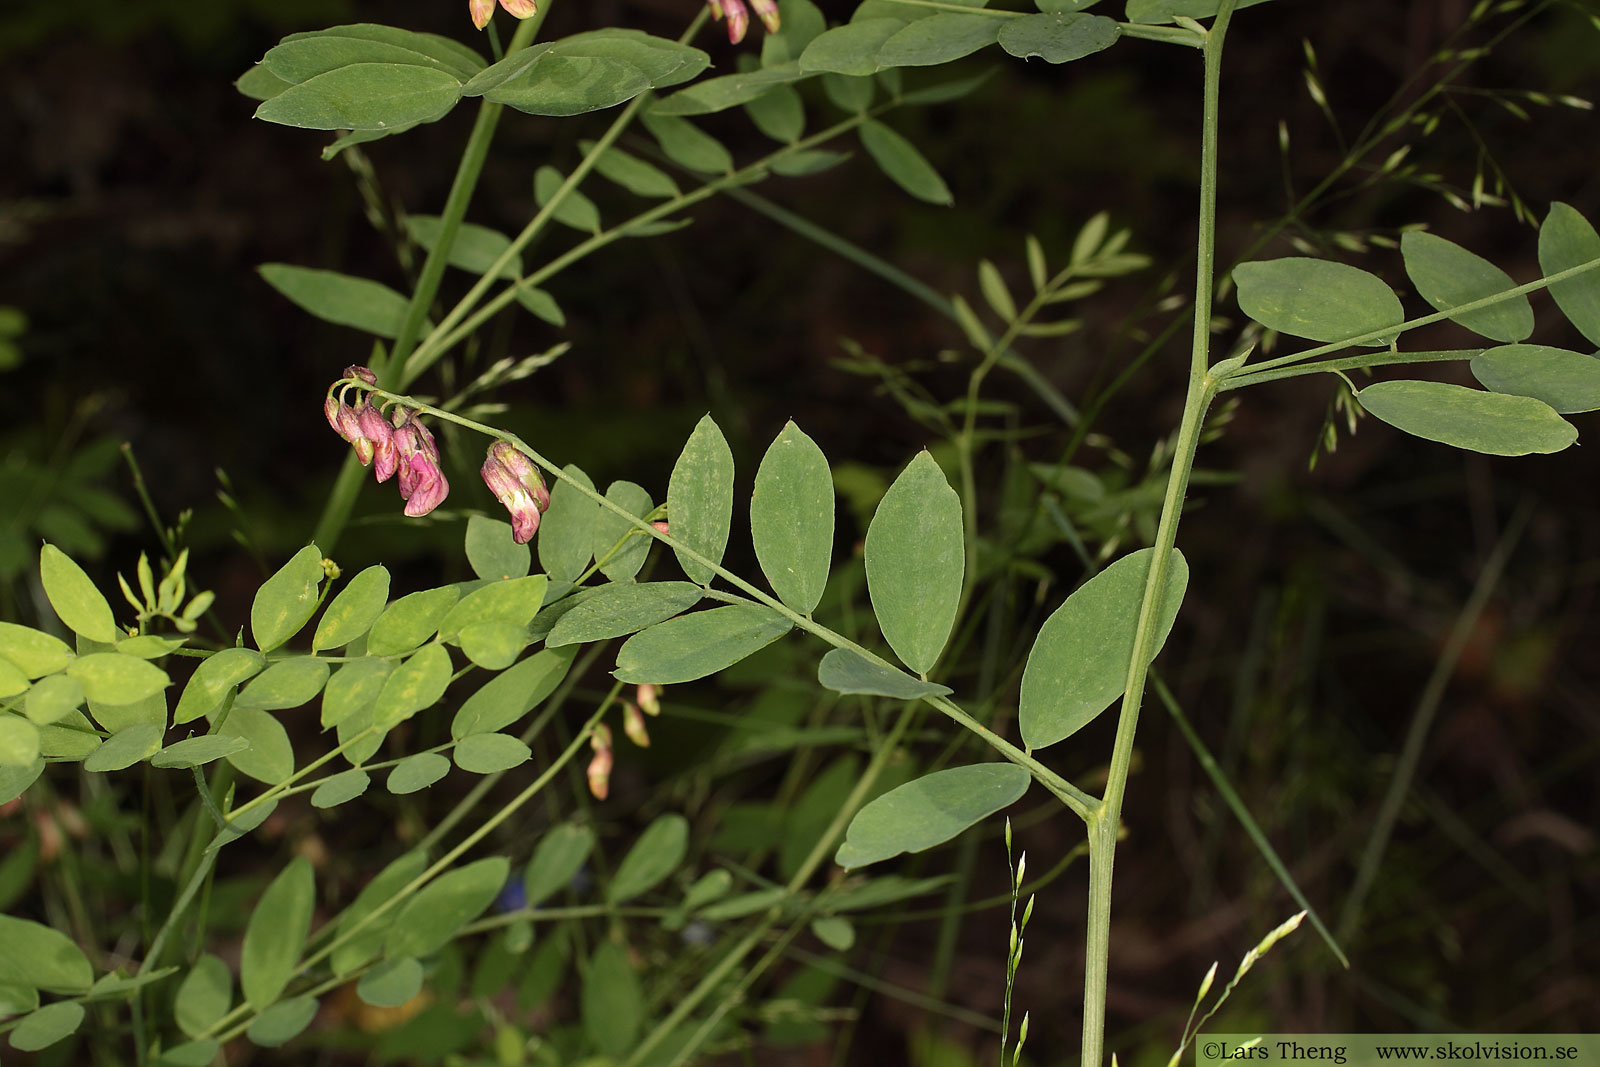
481	10
739	16
397	446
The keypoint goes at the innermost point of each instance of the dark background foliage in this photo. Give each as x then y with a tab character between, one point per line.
137	196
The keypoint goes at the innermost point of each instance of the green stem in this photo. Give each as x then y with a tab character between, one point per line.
1104	822
1329	366
342	500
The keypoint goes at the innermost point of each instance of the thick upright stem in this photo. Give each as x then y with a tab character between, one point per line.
1202	388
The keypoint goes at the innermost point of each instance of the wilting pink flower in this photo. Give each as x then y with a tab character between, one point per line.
363	373
633	725
429	487
648	694
600	766
422	482
482	9
517	484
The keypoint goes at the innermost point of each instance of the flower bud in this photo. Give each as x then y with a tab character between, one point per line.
738	19
342	417
600	766
648	696
600	774
767	11
661	526
363	373
481	11
633	725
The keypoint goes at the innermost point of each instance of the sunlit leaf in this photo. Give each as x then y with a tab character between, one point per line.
288	683
286	601
411	620
365	96
125	748
270	757
76	601
276	933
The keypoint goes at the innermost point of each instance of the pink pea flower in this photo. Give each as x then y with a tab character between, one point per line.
429	487
517	484
380	432
739	16
481	10
422	482
648	694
